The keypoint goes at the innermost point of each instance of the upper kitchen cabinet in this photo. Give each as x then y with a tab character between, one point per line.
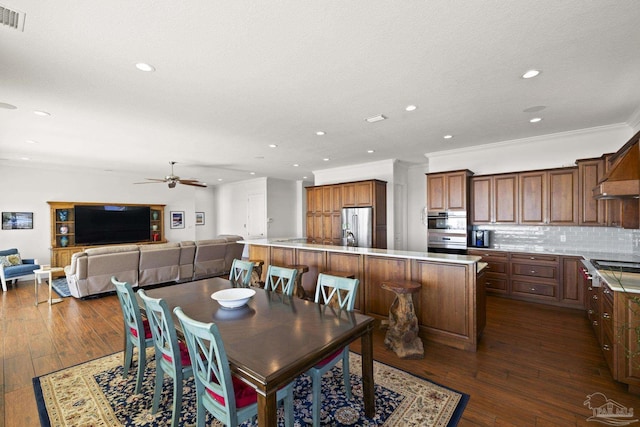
549	197
592	211
448	191
494	199
357	194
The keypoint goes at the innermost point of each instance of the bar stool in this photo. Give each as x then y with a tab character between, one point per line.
402	336
299	290
256	274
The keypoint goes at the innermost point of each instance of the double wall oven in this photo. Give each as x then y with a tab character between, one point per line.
447	232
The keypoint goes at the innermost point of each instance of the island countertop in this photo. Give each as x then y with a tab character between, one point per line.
298	243
450	303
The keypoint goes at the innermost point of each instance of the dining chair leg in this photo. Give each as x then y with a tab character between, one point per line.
128	356
142	364
157	390
317	399
177	400
345	372
288	407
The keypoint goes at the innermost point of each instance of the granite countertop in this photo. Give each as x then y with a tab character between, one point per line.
297	243
611	256
621	282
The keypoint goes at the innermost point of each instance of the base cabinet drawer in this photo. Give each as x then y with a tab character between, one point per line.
534	289
535	270
496	284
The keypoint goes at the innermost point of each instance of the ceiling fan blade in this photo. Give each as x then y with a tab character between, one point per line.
192	182
155	181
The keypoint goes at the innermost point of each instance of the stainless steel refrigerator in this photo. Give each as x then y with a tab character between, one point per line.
357	227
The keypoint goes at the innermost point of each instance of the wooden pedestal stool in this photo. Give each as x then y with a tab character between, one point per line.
336	273
402	335
256	273
299	290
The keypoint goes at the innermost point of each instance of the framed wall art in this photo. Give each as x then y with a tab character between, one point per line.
17	220
199	218
177	219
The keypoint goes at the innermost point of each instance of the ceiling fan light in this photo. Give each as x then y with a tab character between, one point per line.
172	184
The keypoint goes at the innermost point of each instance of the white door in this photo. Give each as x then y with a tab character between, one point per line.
256	216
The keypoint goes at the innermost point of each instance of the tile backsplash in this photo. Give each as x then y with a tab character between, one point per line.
596	239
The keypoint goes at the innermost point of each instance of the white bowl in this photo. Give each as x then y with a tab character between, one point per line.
234	297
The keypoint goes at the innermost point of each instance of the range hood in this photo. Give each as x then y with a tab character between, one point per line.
623	178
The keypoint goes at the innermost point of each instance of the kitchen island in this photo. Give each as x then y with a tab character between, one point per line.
450	306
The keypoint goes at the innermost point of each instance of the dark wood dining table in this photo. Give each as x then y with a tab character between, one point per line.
274	338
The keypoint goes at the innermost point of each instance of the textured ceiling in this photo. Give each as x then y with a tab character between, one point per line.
233	77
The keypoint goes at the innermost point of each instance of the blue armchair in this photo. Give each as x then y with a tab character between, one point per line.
18	271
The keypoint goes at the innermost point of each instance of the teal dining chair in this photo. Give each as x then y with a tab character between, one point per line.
229	399
136	331
340	292
240	272
172	356
280	279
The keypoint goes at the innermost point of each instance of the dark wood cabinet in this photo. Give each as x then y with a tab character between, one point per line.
592	211
448	190
496	272
549	197
572	282
324	210
494	199
533	199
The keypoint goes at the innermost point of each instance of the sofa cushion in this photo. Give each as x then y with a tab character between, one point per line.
145	248
8	252
19	270
111	250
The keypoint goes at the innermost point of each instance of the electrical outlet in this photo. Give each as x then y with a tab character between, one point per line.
563	238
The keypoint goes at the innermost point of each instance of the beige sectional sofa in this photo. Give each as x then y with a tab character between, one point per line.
90	271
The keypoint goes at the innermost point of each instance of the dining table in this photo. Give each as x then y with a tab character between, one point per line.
274	338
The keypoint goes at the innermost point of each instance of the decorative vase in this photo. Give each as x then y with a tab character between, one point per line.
64	241
154	227
64	229
154	215
63	214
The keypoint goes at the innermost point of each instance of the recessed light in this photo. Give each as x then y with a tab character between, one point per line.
252	173
374	119
448	136
295	165
7	106
410	108
320	133
304	177
530	74
326	159
536	120
272	145
41	113
143	66
24	158
31	141
219	179
370	151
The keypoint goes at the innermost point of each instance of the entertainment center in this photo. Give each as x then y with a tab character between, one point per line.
76	226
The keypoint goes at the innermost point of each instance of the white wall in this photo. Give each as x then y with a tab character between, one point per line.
231	205
282	203
31	188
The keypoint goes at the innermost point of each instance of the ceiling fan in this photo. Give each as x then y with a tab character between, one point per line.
173	179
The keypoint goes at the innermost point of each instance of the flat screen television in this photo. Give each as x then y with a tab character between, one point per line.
107	224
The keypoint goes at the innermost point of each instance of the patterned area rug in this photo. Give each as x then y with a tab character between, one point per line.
61	287
95	394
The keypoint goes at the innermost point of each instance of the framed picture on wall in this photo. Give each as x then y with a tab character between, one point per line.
199	218
17	220
177	219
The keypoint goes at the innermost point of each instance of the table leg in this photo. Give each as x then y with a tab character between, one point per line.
368	386
36	279
52	301
267	409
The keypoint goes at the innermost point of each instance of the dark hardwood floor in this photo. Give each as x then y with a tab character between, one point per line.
535	366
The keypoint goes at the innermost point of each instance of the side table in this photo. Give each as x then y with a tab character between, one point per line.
402	336
48	274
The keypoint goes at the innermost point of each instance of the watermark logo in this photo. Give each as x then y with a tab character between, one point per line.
607	411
